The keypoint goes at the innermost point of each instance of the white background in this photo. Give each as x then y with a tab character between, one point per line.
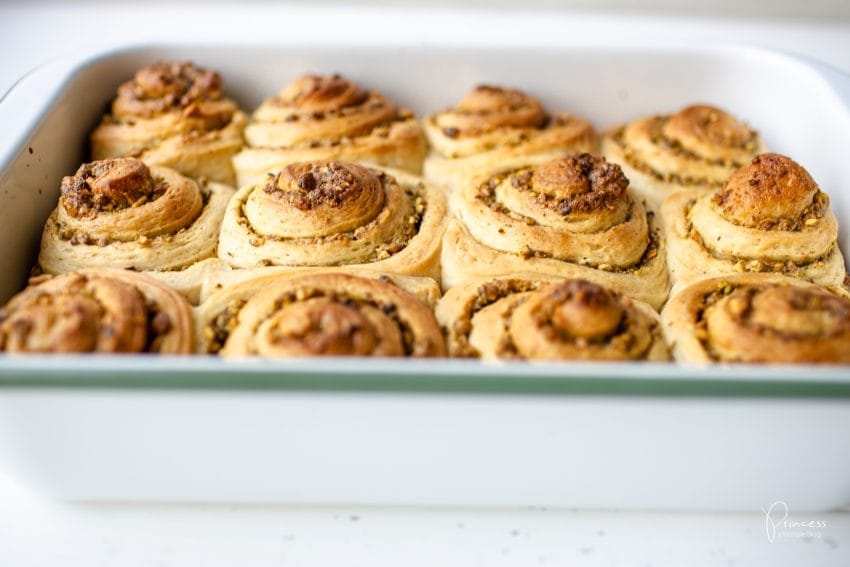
37	531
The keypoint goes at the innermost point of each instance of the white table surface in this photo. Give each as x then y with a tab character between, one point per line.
34	531
37	531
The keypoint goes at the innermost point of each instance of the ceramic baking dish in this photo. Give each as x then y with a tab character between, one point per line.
658	436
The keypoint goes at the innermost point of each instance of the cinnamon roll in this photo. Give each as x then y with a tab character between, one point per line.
697	148
331	213
547	318
328	118
226	293
770	216
571	217
173	114
494	128
758	318
121	213
100	311
314	314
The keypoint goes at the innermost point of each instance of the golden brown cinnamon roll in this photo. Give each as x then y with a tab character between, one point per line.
107	311
758	318
120	213
571	217
328	118
547	318
312	314
494	128
226	293
173	114
336	213
697	148
770	216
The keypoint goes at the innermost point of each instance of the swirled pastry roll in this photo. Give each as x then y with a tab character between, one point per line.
571	217
228	292
494	128
697	148
770	216
335	214
547	318
758	318
120	213
173	114
326	314
328	118
98	311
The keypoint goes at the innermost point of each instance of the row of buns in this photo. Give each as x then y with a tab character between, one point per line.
175	114
334	244
744	318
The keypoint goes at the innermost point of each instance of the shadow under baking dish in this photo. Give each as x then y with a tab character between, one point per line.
428	432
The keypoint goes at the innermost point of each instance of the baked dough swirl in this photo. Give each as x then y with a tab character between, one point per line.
328	118
571	217
331	213
173	114
328	314
770	216
547	318
698	148
758	318
99	311
120	213
494	128
226	293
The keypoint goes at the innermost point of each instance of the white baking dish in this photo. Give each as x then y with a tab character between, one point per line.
435	432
